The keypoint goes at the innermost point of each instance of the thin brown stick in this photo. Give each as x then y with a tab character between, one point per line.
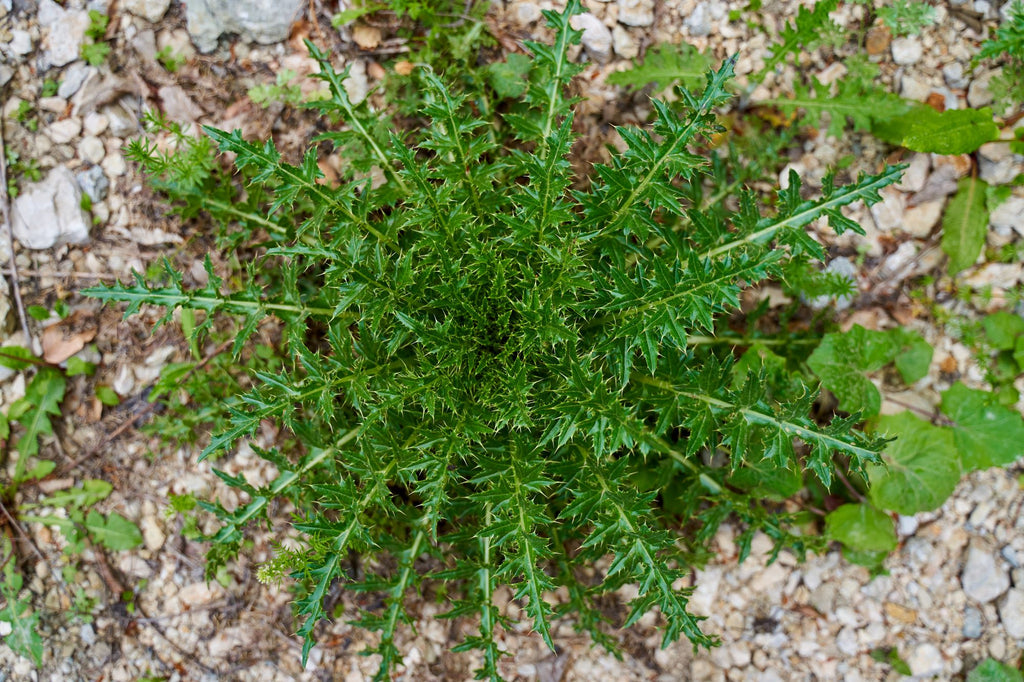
73	274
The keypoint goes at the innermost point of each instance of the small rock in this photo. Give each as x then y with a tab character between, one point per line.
636	12
49	213
979	94
906	51
888	213
914	89
877	41
699	21
899	613
62	132
63	41
1011	556
953	74
152	534
150	10
94	183
177	105
925	661
55	105
1010	214
916	174
73	77
995	275
982	579
918	221
526	13
366	37
846	642
20	42
623	43
907	525
87	634
1011	613
261	21
597	39
230	638
91	149
198	594
122	122
972	623
95	124
357	84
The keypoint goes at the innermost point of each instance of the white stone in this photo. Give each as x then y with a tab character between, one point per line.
20	42
636	12
198	594
597	39
979	94
152	534
888	213
925	661
62	132
63	41
178	105
525	13
357	85
1009	214
996	275
699	22
1011	613
73	78
916	174
983	579
906	51
261	21
91	149
150	10
49	213
95	124
846	641
625	46
954	75
918	221
914	89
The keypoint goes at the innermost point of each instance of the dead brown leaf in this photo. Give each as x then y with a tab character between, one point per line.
69	336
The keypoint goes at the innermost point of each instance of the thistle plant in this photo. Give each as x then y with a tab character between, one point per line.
495	379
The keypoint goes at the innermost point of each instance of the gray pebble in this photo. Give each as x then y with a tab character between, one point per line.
94	183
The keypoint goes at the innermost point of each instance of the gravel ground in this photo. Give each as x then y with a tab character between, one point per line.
954	592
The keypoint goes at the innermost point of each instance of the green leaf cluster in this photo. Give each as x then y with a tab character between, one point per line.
497	375
921	467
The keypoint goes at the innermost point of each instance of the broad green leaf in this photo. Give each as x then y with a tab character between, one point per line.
922	466
873	561
991	670
510	77
891	656
922	129
24	637
90	492
964	224
1018	352
664	65
42	400
107	396
1002	329
986	433
77	365
913	358
11	357
862	528
841	360
114	532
